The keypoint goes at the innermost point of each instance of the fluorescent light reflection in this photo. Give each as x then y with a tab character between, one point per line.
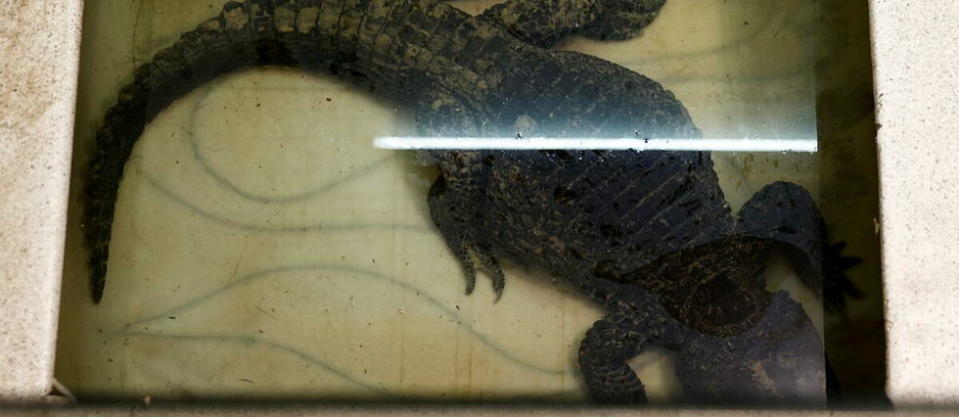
536	143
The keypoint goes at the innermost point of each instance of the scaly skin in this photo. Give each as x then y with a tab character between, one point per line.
648	235
546	22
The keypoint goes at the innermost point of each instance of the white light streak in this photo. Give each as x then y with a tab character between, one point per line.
537	143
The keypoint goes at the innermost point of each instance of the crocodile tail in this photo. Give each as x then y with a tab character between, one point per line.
255	32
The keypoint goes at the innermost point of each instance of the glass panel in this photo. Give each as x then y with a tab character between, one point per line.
659	237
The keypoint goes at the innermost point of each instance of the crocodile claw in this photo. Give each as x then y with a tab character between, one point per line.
836	284
462	240
470	258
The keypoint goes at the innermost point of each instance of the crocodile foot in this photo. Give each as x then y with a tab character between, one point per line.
836	284
461	238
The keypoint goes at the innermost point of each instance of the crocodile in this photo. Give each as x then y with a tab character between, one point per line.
647	235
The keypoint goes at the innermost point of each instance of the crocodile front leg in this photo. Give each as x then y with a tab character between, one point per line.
456	197
785	213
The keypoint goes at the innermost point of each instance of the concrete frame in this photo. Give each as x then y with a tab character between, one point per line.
916	80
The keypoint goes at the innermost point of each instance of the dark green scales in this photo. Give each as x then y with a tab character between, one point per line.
648	235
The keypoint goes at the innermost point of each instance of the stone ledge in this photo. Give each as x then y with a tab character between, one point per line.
916	78
39	43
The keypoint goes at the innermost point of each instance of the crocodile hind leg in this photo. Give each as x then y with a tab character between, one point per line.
785	213
618	337
455	199
602	359
779	359
451	210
